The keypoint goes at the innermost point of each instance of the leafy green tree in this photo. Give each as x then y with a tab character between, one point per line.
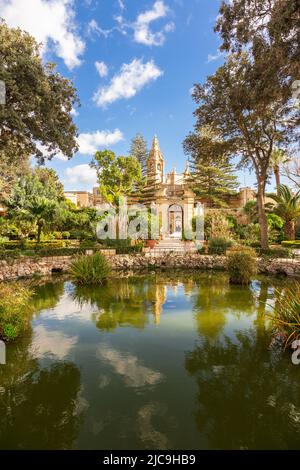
288	208
35	198
140	151
212	175
278	158
249	123
117	176
36	119
270	28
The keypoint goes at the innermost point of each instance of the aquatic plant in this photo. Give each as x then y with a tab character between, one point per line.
287	312
90	269
241	265
15	307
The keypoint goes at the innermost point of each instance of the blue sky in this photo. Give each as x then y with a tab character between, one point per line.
133	62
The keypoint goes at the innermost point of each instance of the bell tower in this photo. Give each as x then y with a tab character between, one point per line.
156	163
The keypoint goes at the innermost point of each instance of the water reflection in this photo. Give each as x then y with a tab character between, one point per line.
153	362
248	396
51	342
124	302
38	406
129	367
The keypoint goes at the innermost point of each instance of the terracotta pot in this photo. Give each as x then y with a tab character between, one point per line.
150	244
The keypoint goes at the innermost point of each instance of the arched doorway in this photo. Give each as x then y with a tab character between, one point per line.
175	221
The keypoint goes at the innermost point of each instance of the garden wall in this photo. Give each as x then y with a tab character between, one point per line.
27	267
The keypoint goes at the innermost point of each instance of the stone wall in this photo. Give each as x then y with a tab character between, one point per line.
26	267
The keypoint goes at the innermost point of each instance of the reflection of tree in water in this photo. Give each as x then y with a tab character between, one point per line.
47	295
123	302
214	299
37	406
247	397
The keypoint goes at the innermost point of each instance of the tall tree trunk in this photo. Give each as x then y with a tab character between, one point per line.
39	232
276	170
289	230
262	218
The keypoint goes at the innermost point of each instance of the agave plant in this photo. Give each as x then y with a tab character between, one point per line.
288	208
287	312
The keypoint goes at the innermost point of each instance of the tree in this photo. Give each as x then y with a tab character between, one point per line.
288	208
270	28
249	121
117	176
35	198
212	175
139	150
36	119
292	171
278	158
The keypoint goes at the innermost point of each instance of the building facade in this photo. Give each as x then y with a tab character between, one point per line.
171	195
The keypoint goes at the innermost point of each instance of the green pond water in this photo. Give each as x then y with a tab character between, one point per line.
150	362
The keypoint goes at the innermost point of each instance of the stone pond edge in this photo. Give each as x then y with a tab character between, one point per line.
29	267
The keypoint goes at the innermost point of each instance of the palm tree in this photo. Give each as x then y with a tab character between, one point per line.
288	208
278	158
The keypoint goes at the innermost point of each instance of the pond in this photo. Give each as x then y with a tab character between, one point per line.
150	362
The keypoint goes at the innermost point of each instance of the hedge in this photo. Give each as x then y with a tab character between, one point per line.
291	244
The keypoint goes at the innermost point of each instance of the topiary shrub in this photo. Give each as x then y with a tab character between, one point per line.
241	265
218	246
93	269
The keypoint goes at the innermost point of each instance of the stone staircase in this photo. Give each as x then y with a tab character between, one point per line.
173	245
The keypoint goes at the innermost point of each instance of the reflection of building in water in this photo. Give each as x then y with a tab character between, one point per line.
157	295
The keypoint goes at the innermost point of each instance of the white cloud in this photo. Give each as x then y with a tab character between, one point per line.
101	68
74	112
51	22
212	58
89	143
121	4
142	31
132	78
81	175
95	28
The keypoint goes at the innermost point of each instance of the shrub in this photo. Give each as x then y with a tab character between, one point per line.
57	235
123	247
88	244
241	265
14	310
216	225
287	312
218	246
66	235
280	252
92	269
251	234
291	244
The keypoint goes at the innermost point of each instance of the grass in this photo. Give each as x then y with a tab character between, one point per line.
93	269
15	309
287	312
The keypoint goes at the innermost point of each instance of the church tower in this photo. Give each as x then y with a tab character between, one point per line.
156	163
